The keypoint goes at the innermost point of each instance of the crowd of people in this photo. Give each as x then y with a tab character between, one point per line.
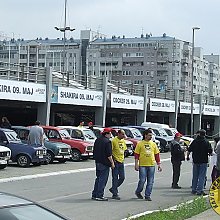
110	154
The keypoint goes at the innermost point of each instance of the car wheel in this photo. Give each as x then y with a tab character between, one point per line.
23	160
62	160
2	166
50	157
76	155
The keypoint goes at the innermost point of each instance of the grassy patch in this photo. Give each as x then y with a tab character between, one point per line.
183	211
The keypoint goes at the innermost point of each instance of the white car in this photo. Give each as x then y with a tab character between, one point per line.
80	133
5	154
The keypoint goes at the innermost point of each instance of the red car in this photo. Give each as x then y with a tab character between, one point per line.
80	149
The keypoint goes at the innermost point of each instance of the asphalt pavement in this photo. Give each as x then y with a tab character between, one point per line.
67	188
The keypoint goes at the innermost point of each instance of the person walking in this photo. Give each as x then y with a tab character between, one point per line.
177	156
5	123
35	136
118	173
103	160
201	149
146	155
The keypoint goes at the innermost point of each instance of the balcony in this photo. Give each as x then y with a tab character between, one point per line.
185	69
162	68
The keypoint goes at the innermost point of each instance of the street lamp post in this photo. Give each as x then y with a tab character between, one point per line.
193	42
64	29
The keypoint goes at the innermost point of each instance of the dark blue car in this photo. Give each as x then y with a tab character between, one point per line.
22	154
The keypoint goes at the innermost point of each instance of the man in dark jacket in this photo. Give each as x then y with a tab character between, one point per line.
177	156
200	149
103	159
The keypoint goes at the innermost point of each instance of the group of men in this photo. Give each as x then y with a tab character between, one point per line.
110	154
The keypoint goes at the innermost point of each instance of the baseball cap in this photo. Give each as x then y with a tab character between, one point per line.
178	134
106	130
90	123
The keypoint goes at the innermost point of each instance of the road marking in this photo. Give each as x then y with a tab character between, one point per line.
63	197
157	210
35	176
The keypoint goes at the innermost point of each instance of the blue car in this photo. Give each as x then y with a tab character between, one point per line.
22	154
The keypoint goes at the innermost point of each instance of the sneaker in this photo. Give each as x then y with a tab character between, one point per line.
139	196
201	194
176	187
101	199
116	197
148	198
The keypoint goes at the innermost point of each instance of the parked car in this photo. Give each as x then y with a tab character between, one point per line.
14	207
80	149
55	150
81	133
5	154
23	154
161	142
130	146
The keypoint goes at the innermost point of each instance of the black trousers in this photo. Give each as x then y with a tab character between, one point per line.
176	172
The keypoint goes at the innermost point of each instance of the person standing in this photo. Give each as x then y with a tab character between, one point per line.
146	155
177	156
201	149
118	173
103	160
36	133
90	126
5	123
81	124
217	150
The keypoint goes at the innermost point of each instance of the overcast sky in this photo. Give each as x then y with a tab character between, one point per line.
30	19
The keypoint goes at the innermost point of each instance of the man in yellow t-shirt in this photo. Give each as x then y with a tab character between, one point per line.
118	173
146	156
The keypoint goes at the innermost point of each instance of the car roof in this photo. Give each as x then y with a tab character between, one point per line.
73	127
5	129
20	127
7	200
51	127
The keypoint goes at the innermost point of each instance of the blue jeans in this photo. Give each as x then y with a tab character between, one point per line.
146	172
118	177
199	175
102	173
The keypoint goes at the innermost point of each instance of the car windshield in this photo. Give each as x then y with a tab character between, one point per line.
168	131
12	136
136	133
157	133
33	212
64	134
89	134
97	132
163	132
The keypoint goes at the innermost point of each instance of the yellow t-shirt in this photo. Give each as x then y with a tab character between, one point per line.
147	151
118	149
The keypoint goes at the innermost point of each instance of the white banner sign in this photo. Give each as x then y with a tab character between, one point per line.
127	102
211	110
22	91
162	105
185	108
79	97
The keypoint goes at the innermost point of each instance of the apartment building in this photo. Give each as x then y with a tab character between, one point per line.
41	53
162	62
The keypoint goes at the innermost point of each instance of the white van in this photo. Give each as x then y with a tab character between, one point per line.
154	125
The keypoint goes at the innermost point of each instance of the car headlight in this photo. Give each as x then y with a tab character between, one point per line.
89	148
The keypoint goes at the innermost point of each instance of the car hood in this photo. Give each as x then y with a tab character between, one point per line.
4	149
58	144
